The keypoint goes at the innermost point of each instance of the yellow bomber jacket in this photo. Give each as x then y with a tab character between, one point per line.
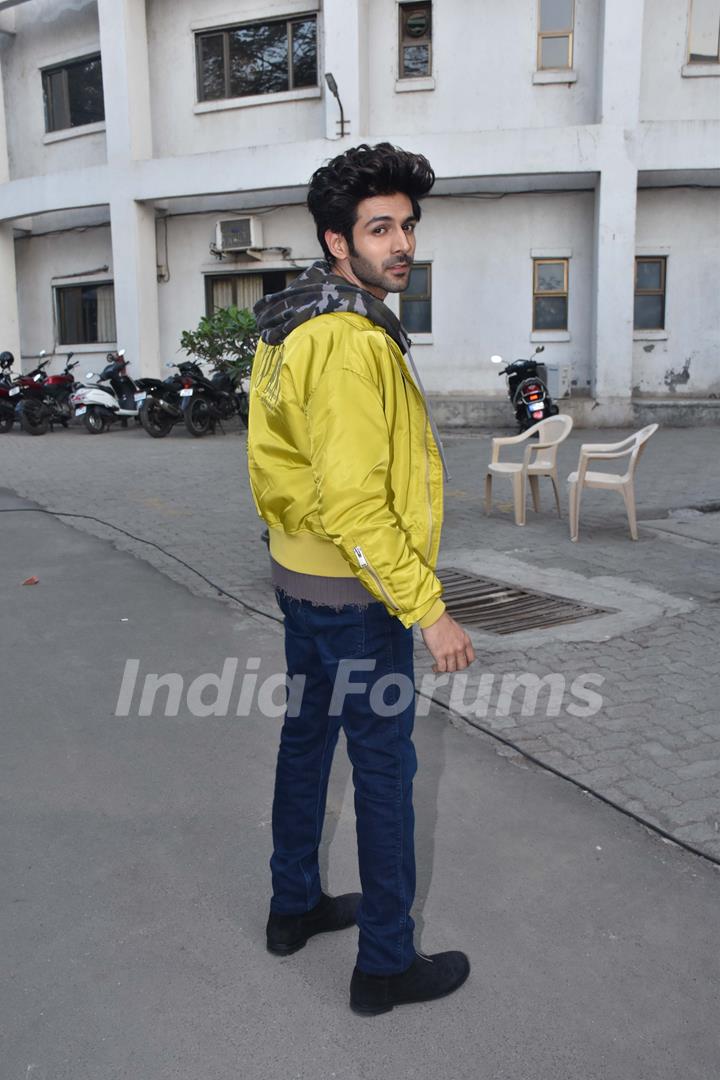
343	464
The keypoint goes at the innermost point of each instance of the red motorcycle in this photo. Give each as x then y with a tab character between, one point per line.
44	399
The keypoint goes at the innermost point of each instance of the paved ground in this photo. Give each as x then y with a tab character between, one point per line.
653	747
134	888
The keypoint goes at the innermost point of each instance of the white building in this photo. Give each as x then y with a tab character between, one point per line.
576	144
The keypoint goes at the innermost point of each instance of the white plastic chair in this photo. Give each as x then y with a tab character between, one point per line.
624	483
551	432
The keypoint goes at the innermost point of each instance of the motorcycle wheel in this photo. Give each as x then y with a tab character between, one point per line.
6	424
156	422
33	423
94	422
197	417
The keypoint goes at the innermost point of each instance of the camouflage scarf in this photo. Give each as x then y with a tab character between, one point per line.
317	291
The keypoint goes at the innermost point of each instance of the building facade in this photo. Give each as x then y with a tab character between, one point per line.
154	156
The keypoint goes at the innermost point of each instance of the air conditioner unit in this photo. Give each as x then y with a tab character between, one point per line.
559	380
238	234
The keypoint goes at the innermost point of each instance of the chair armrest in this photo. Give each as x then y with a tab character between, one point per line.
506	440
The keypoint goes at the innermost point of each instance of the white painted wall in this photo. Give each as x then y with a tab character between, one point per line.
685	226
482	280
38	261
664	93
176	128
57	36
484	57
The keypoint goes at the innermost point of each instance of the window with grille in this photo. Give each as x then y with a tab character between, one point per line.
257	58
556	25
550	294
73	94
704	38
415	40
86	314
416	301
650	275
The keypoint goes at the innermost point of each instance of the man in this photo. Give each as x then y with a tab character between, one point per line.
347	473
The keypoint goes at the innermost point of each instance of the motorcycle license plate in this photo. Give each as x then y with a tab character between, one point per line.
81	411
15	390
536	408
187	392
140	397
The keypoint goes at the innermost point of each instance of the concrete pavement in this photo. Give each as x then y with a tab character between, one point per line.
654	745
134	887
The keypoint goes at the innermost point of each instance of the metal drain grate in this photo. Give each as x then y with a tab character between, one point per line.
502	609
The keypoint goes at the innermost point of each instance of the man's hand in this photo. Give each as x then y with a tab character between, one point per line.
450	646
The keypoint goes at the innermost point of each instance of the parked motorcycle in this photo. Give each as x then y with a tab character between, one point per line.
7	408
527	390
44	400
208	401
159	400
111	398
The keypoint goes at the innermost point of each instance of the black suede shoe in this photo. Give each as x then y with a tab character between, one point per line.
288	933
427	978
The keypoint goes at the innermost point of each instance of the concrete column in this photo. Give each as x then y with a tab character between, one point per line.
126	86
126	79
9	319
345	25
616	200
135	276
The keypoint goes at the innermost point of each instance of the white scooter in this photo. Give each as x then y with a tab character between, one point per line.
112	398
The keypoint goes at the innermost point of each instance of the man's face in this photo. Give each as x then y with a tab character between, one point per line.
383	246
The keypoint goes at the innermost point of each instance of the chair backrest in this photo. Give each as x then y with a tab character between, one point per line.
641	438
554	429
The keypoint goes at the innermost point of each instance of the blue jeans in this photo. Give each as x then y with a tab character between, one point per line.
334	649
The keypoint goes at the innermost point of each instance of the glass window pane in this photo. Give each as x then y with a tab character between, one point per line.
418	282
416	21
554	52
69	316
704	30
258	59
304	53
212	67
550	277
416	316
550	313
649	313
416	60
648	275
556	15
85	92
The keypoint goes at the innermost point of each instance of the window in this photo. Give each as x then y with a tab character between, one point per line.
555	34
73	94
257	58
85	314
650	293
704	42
415	40
550	294
243	290
416	301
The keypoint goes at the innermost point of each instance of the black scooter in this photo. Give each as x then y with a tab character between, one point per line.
159	401
207	402
527	390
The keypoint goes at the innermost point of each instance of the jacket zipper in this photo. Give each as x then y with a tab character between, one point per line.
362	562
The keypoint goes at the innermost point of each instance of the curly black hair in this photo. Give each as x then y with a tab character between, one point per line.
360	173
